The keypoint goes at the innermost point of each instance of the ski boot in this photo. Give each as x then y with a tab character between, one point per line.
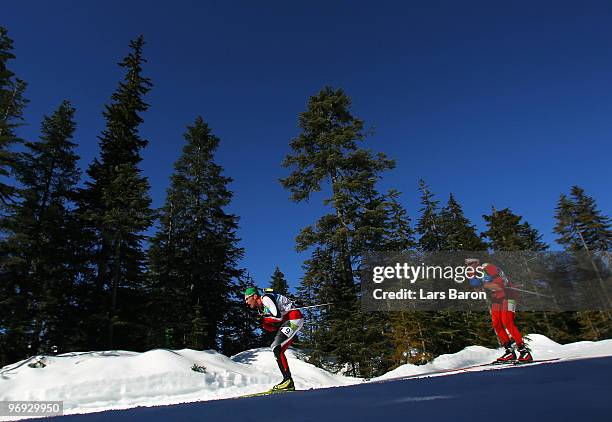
508	357
524	355
284	385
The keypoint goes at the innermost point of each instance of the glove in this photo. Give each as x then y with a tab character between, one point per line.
476	282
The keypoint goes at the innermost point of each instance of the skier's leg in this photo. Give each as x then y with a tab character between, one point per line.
283	359
508	319
284	338
508	314
498	326
279	353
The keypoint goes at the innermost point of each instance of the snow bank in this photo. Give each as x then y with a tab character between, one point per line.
541	348
95	381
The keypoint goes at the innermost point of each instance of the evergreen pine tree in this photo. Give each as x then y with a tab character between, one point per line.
399	236
240	330
278	282
41	264
194	254
458	234
584	230
566	224
506	233
427	227
318	270
198	331
430	326
327	153
456	330
115	209
580	225
12	103
532	239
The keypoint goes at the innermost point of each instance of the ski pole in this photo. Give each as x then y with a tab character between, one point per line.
314	306
527	291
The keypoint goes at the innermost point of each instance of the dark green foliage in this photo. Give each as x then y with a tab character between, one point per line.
430	334
582	228
318	270
194	254
580	225
327	155
240	330
40	263
506	233
115	211
197	332
430	236
12	103
457	231
397	235
278	282
446	229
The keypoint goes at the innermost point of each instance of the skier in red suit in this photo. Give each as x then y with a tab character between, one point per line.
503	309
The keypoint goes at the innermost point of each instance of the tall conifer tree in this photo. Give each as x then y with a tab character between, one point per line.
506	232
327	154
41	252
194	254
430	236
12	103
580	225
583	229
457	232
278	282
116	208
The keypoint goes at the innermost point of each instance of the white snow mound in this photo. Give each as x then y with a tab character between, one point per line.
94	381
541	348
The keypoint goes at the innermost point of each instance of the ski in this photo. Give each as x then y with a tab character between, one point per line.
452	371
266	393
519	363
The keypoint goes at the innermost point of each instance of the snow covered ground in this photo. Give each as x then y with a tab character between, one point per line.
541	348
96	381
562	392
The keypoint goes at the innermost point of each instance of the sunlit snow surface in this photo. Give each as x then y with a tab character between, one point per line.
94	381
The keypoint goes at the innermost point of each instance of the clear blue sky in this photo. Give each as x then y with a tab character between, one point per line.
501	104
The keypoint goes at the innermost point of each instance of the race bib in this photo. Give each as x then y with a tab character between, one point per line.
286	330
511	305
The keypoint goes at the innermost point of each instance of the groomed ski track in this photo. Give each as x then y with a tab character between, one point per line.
565	390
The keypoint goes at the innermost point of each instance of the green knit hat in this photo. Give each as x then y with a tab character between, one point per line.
250	291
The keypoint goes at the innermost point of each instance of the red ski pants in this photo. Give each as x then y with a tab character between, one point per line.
502	318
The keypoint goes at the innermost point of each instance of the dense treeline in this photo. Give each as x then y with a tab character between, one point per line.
326	156
77	271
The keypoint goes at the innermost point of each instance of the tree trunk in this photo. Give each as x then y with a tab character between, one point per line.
114	288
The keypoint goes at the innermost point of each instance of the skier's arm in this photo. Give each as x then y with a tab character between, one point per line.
492	280
271	315
493	285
